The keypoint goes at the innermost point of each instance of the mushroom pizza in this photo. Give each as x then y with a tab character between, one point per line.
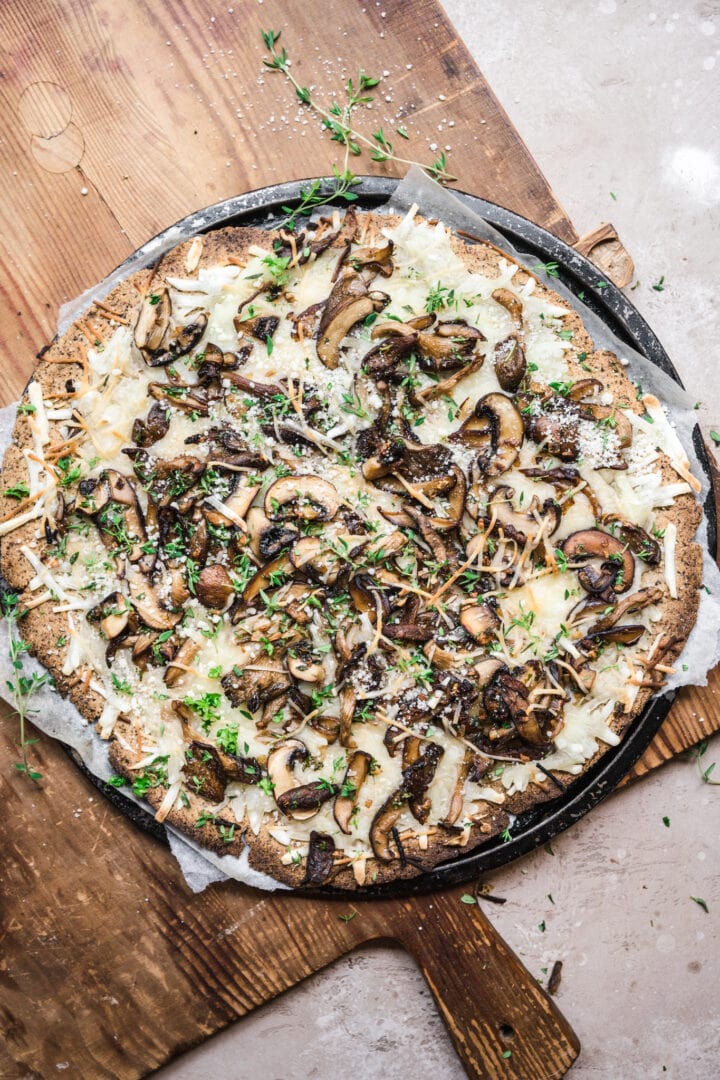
348	540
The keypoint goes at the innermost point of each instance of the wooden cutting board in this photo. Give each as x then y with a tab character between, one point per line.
119	119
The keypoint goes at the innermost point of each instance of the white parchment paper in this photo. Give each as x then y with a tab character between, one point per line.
60	719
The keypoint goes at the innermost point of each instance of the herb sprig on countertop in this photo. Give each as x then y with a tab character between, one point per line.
22	687
698	752
338	120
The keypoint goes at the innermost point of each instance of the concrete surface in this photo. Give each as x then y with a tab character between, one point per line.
615	97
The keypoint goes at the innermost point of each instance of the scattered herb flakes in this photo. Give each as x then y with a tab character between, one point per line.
349	917
466	898
22	687
715	437
549	849
701	903
115	781
613	196
541	927
698	753
507	1054
659	286
666	822
550	898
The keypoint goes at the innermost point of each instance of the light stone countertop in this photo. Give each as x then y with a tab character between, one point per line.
618	97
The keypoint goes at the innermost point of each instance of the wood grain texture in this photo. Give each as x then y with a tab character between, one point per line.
155	110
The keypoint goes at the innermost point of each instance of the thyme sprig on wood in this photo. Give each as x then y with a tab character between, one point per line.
337	119
22	687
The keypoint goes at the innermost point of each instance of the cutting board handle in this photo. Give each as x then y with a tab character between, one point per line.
503	1024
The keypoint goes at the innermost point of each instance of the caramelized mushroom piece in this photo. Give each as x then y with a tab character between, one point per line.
262	681
518	525
214	586
154	427
261	327
153	321
512	304
593	642
320	864
303	665
412	794
348	303
276	569
628	605
496	427
618	565
510	363
448	347
182	658
148	606
297	802
305	497
481	621
347	800
203	771
637	539
377	259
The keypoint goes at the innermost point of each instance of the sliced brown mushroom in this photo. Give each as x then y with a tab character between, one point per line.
610	614
153	321
512	304
147	604
214	586
519	525
411	794
112	614
481	621
262	681
496	428
347	800
261	327
182	658
308	498
378	259
510	363
448	347
267	577
595	640
617	561
203	771
457	799
303	666
348	303
446	386
154	427
299	802
637	539
320	864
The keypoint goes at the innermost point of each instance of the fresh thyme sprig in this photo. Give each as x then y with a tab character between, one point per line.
337	119
21	686
705	773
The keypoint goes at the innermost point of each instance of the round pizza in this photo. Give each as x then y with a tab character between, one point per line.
348	541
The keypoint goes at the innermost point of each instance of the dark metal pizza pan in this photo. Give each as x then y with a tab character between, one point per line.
539	825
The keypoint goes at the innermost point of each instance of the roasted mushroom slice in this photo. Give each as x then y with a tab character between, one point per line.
182	658
412	794
147	604
299	802
214	586
618	565
637	539
153	321
111	614
374	258
302	664
320	859
521	526
510	363
348	303
496	428
481	622
346	801
257	683
448	347
593	642
305	497
613	613
203	771
267	577
512	304
154	427
261	327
